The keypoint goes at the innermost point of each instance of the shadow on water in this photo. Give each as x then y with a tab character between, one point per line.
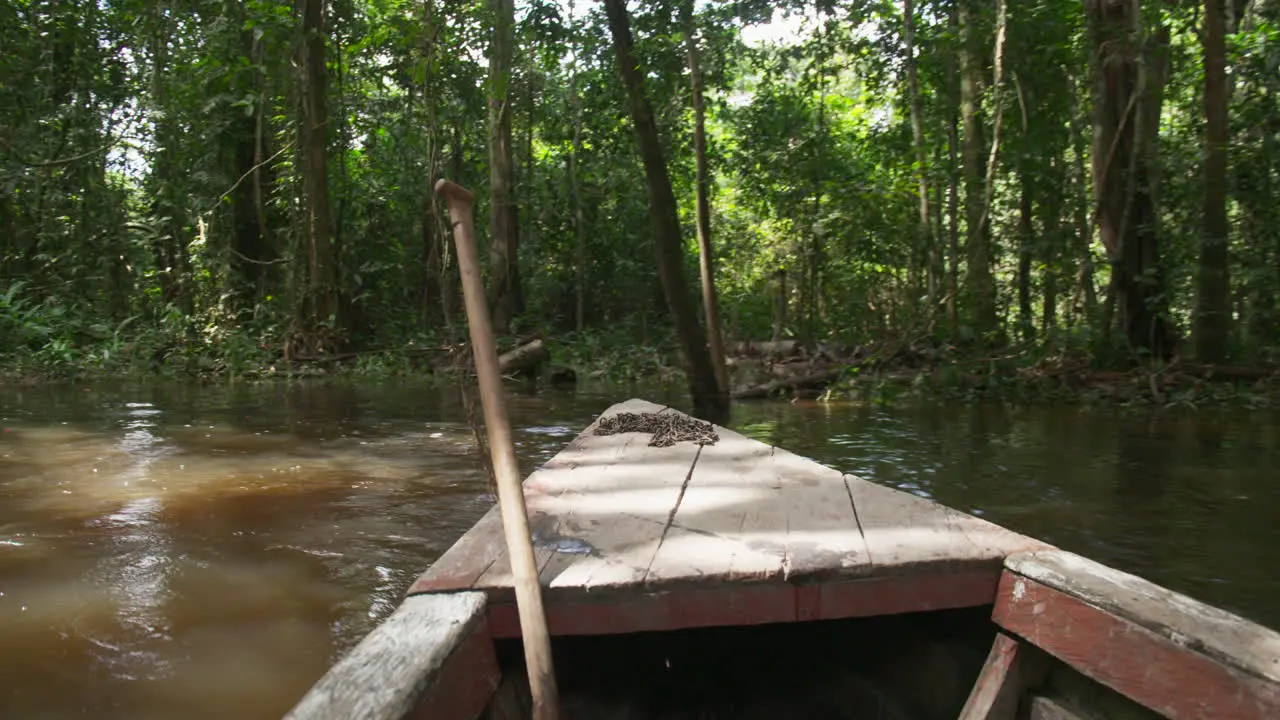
195	551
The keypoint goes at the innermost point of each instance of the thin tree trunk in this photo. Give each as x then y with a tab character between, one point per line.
980	288
706	260
1084	226
953	177
1052	211
322	290
924	232
779	303
450	281
1213	310
1026	238
708	401
1261	225
259	160
997	86
170	246
503	240
575	189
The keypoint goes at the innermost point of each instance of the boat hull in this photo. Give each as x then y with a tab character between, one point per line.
739	580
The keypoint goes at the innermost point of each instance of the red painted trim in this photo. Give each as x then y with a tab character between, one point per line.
465	683
1175	681
995	692
577	613
916	592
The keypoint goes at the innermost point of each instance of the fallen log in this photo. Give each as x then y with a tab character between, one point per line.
778	348
797	382
523	359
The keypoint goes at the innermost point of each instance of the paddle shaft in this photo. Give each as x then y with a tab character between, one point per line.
515	521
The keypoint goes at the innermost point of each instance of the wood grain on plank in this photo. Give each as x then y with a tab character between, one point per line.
904	531
995	692
732	520
823	534
1156	671
601	507
1224	636
479	558
463	563
752	512
465	684
398	665
1011	668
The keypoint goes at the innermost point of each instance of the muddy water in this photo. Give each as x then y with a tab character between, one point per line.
207	552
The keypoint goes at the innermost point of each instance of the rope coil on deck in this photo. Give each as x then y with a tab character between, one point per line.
667	428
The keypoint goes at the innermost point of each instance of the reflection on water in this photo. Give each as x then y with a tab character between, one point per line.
181	551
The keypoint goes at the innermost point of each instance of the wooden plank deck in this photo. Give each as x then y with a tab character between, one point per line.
630	537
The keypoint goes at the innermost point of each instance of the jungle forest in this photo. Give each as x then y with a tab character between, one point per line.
237	186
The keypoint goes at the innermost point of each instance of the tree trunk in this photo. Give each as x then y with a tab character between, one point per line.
779	286
953	178
575	188
1261	225
1026	240
429	266
924	231
708	401
322	286
706	264
260	162
1050	244
1213	310
170	247
1127	86
503	238
980	289
1083	224
242	134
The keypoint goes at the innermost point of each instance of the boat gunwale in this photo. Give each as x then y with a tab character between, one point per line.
1243	689
1055	601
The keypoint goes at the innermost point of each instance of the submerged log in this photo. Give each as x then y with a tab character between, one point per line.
820	378
525	358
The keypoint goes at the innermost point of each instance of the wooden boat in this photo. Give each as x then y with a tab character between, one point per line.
738	580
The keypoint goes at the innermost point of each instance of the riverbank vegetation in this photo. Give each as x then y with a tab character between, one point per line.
970	195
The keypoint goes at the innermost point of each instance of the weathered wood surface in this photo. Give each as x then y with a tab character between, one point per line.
907	534
614	518
433	657
1165	651
754	512
1203	628
1010	669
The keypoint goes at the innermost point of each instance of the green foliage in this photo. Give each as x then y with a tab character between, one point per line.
152	204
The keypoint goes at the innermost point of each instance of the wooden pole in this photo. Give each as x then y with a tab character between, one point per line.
515	521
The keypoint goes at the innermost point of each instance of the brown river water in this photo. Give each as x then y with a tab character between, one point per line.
181	551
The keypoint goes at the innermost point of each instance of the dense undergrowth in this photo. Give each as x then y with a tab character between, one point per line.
51	343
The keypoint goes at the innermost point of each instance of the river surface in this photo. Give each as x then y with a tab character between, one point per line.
181	551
